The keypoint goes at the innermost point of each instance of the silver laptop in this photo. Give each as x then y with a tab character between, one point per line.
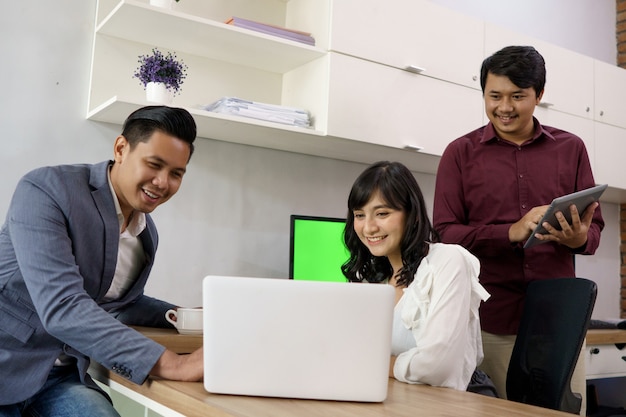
297	339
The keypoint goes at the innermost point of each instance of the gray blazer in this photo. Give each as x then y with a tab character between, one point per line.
58	251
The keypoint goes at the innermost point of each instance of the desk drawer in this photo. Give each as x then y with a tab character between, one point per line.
605	361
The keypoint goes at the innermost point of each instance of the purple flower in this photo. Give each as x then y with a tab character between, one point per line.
161	68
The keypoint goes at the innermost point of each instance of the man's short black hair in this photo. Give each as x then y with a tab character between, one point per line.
141	123
523	65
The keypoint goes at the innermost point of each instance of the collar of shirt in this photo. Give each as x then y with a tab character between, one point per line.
489	133
137	222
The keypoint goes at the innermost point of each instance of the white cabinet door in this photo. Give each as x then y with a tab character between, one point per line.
446	44
580	126
610	88
378	104
610	150
569	75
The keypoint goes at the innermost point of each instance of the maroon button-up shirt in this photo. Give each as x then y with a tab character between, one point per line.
485	184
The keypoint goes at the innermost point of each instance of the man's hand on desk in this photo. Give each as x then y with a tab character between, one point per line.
177	367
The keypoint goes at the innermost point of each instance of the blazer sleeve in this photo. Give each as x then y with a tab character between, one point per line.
145	311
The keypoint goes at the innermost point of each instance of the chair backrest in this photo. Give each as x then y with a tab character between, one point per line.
553	327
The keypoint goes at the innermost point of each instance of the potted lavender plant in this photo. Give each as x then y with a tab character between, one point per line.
161	74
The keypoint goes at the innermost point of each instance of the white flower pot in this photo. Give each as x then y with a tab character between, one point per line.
158	93
166	4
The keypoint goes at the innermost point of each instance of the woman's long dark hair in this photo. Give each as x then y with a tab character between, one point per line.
399	189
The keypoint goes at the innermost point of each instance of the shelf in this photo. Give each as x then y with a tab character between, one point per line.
197	36
270	135
276	136
210	125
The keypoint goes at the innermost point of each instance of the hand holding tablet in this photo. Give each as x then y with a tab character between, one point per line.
582	199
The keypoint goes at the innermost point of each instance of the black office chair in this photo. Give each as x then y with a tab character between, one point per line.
553	327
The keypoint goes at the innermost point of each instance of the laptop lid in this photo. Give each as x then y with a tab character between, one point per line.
297	339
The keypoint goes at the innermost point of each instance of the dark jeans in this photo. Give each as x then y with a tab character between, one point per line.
63	395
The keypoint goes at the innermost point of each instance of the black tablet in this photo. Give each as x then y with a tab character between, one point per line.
582	199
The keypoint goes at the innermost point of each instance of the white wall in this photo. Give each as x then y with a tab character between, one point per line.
231	215
584	26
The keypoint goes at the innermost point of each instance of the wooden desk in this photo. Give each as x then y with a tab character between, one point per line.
190	399
179	343
605	336
187	343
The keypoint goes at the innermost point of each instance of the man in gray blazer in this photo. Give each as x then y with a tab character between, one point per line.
75	253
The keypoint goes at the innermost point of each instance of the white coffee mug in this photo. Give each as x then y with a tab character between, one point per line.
187	320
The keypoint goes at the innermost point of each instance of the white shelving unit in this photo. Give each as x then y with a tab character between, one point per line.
364	103
222	60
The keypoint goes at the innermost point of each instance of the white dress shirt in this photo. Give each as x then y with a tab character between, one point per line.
436	335
130	254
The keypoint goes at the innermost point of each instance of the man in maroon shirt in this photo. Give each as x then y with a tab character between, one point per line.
495	183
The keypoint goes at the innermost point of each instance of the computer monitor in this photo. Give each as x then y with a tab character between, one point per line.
316	248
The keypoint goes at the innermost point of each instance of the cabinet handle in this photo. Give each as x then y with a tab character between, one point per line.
545	104
414	69
624	358
414	148
594	351
601	112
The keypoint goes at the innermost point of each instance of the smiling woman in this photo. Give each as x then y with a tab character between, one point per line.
436	336
380	228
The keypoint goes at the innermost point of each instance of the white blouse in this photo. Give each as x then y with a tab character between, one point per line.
436	335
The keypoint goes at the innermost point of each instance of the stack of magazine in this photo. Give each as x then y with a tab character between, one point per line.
262	111
291	34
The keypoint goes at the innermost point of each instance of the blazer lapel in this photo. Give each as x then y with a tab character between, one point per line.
104	203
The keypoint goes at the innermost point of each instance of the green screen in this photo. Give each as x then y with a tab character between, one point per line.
317	250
